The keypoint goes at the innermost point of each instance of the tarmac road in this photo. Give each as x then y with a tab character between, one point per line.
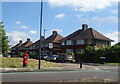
61	75
88	71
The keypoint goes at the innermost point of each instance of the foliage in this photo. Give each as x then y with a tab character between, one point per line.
4	40
111	54
34	55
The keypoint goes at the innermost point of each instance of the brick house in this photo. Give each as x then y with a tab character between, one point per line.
14	49
51	45
34	48
21	47
80	39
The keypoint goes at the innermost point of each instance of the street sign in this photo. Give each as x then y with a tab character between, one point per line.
50	45
102	57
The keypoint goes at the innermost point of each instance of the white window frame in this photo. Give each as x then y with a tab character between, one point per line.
80	42
90	41
69	42
63	43
69	50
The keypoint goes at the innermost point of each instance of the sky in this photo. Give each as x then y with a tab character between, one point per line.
21	18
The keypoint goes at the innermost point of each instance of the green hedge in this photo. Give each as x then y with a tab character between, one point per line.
112	55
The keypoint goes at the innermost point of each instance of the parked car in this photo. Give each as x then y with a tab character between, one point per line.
48	58
44	56
6	55
1	55
65	58
54	57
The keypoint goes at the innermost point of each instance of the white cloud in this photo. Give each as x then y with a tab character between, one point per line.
18	22
60	16
83	5
15	36
96	19
109	19
33	32
23	27
114	36
58	30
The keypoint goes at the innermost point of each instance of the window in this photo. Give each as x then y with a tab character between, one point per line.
63	43
34	47
80	41
30	47
69	42
42	45
46	45
80	50
69	50
89	42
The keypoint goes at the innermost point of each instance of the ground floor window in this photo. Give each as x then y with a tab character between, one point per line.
69	50
80	50
44	52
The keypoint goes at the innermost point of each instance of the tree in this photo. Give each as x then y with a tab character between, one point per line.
4	46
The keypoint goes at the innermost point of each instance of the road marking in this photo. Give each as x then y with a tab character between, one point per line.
96	68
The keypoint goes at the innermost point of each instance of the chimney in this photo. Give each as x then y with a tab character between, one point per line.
28	39
84	26
54	32
20	41
42	37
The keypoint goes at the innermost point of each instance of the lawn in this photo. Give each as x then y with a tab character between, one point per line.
15	62
113	63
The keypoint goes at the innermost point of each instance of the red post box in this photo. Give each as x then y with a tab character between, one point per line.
25	60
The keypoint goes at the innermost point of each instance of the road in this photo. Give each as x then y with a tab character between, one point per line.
98	72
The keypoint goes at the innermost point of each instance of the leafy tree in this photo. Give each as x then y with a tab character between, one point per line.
5	47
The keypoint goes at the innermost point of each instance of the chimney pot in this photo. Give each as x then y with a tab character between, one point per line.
84	26
20	41
28	39
54	32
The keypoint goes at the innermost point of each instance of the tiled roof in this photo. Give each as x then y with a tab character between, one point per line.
27	43
88	33
53	38
18	45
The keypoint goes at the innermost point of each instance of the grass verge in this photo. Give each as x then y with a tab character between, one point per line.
113	63
15	62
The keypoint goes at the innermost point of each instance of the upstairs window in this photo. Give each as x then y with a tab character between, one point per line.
89	41
63	43
69	42
46	45
80	42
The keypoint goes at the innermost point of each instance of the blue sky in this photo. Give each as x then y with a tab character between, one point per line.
21	19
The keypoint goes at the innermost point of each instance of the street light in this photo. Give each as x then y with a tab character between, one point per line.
40	34
44	32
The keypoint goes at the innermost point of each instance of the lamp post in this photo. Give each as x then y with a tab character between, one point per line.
39	65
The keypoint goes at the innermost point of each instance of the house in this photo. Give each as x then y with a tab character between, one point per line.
51	45
14	49
21	47
34	48
25	46
80	39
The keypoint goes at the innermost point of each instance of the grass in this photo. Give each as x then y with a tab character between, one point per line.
16	62
113	63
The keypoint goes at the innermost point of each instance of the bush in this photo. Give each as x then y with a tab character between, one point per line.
112	55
